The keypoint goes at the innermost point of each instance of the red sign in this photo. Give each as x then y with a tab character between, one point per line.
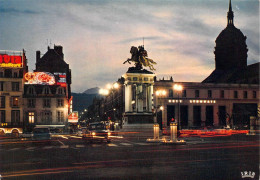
73	117
10	61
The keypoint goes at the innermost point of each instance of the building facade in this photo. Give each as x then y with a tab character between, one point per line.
47	92
13	66
205	104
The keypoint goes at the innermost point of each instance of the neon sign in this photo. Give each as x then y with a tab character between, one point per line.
73	117
10	61
60	79
43	78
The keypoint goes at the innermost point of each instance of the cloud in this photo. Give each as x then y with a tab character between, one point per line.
97	35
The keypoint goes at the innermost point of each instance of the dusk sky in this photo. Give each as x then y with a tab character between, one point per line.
97	35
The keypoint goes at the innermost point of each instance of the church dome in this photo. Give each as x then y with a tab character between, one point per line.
231	49
230	35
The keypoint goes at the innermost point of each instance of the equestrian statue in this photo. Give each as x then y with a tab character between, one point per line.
140	58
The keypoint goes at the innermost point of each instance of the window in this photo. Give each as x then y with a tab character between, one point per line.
31	117
184	93
1	86
15	74
222	94
8	73
245	94
60	91
235	94
31	90
15	86
60	102
209	94
254	94
1	74
46	90
2	101
14	101
15	116
170	93
197	93
46	117
2	116
46	103
31	103
60	116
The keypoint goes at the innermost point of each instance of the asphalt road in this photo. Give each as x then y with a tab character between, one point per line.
68	157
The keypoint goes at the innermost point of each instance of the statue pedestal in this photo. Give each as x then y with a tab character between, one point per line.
138	97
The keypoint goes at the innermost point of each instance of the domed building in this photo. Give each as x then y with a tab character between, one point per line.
231	57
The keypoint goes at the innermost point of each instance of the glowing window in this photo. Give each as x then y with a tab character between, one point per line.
31	117
15	101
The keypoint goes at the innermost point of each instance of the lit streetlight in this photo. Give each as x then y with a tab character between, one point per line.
178	88
159	93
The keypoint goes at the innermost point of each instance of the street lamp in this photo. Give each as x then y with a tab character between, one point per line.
178	88
159	93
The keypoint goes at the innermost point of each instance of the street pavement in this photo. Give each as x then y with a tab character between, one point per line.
129	157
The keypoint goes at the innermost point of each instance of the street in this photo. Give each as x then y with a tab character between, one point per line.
127	157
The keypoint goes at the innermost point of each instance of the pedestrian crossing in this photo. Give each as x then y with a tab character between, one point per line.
77	146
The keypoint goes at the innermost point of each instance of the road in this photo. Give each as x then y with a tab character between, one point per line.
68	157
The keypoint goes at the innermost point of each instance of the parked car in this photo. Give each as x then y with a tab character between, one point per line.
26	135
41	134
97	132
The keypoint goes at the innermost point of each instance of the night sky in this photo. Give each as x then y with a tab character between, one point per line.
97	35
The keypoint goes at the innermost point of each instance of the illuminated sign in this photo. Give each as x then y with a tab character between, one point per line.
11	61
73	117
60	79
42	78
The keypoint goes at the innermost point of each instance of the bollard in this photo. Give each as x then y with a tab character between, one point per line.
252	125
173	131
156	131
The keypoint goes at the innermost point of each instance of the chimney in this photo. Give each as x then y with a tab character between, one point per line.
38	56
59	50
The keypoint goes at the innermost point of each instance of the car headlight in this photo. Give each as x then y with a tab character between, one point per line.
93	133
109	133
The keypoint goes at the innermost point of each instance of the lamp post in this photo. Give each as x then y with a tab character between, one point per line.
159	94
178	88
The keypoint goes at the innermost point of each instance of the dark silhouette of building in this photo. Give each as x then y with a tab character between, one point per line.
53	61
231	57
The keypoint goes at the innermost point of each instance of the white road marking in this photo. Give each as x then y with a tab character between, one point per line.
112	145
47	147
30	148
126	144
14	149
80	146
142	144
64	146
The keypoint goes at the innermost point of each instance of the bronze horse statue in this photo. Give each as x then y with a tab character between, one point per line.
139	57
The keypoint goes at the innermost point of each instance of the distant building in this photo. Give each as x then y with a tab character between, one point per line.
47	92
13	66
